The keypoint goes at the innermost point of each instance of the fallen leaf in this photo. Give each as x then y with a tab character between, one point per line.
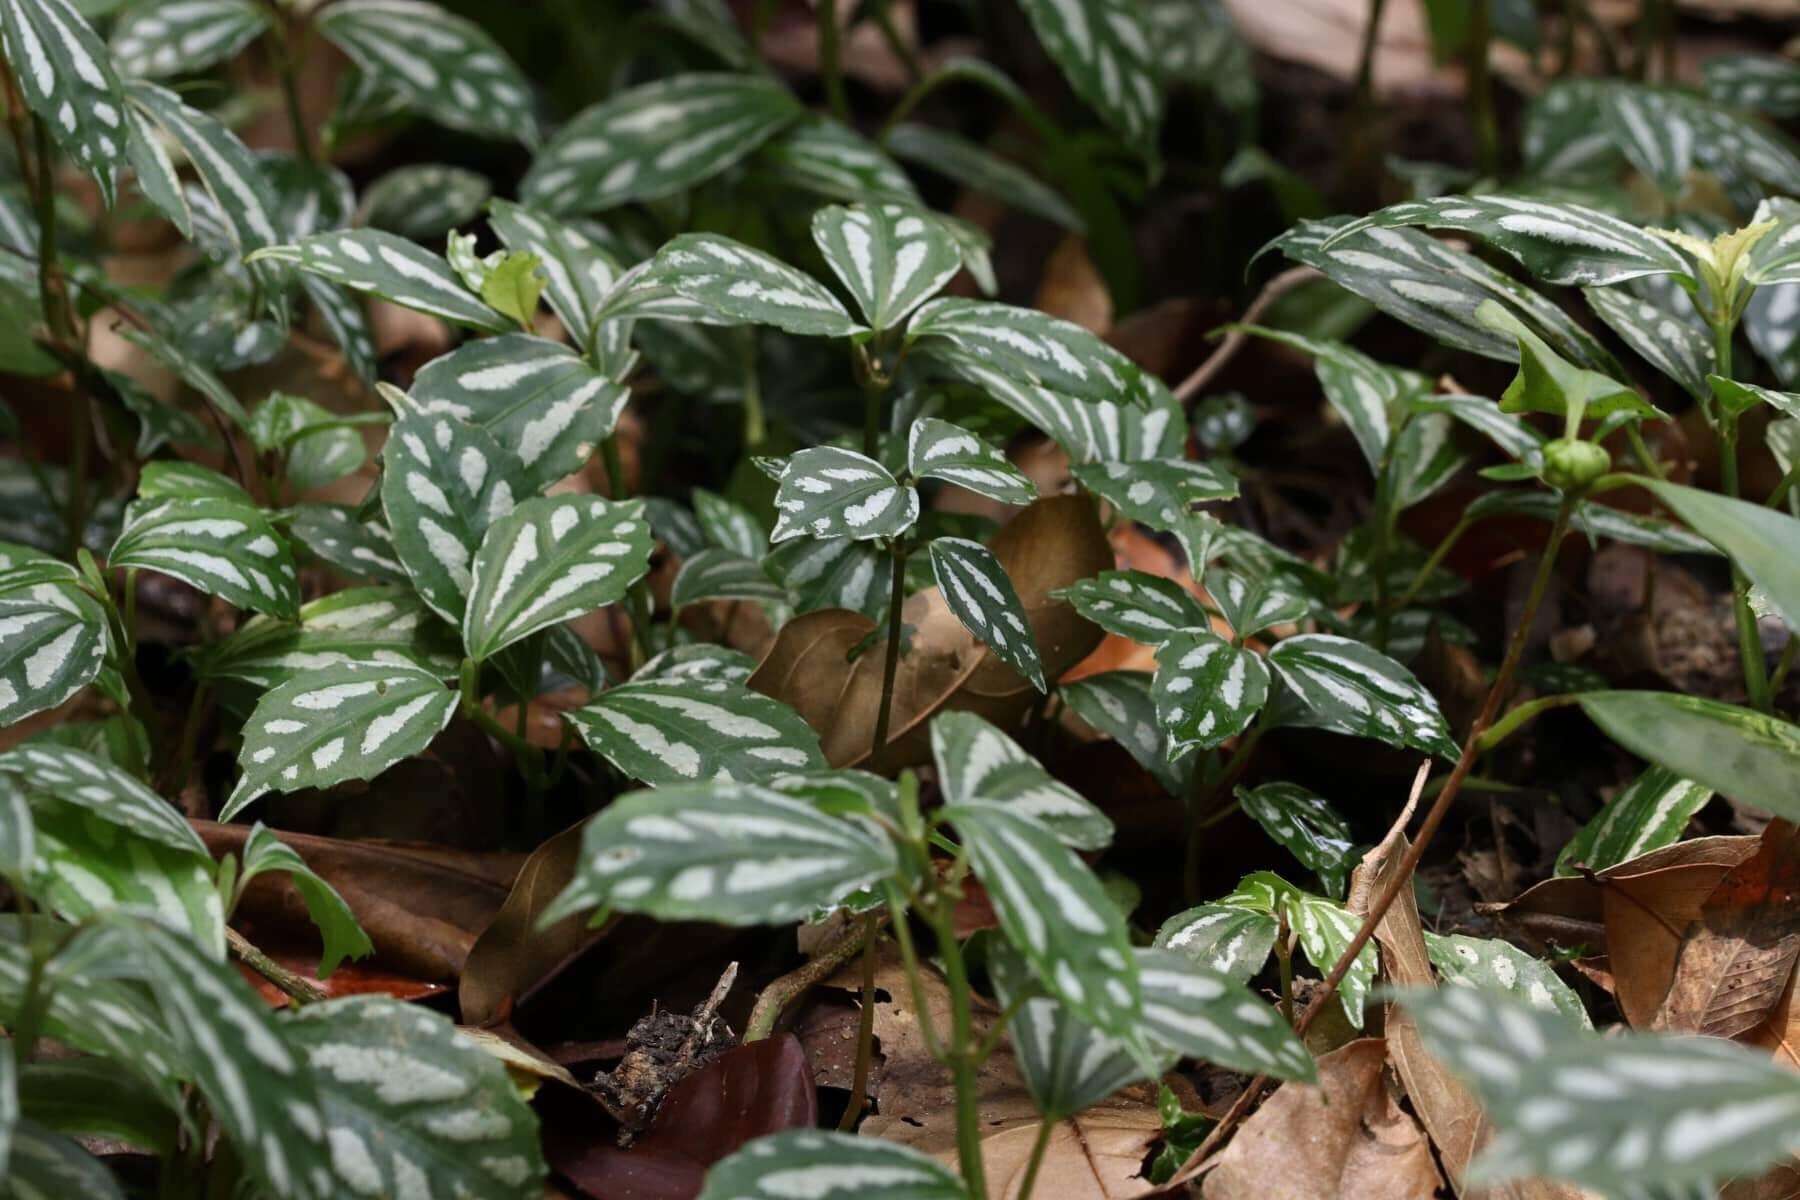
350	979
1097	1154
1073	289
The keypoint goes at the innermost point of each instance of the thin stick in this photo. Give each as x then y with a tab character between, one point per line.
775	998
295	987
1272	291
865	1028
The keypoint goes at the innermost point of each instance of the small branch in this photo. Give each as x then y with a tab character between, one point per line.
891	666
1234	341
865	1027
295	987
775	998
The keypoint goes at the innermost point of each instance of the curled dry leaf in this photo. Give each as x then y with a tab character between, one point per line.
1052	543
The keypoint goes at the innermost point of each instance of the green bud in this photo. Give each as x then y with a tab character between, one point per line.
1571	465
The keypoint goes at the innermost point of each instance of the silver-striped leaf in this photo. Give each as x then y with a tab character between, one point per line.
153	40
1107	53
827	158
1216	1019
226	548
355	625
1346	687
1159	492
1650	812
976	761
685	730
1498	965
1036	348
1366	394
1253	605
1324	929
830	492
715	280
699	660
1594	519
346	322
937	449
315	446
552	558
1763	82
230	174
1423	459
1308	826
823	1165
729	852
424	200
411	1107
1206	689
447	67
832	573
1119	704
18	837
50	648
978	591
362	549
324	727
1227	939
340	935
1055	911
1136	604
444	484
1671	342
729	525
381	264
891	257
79	778
43	1162
67	78
656	139
719	574
578	274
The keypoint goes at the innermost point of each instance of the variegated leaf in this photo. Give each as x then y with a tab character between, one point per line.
729	525
714	280
363	549
1595	520
231	175
411	1106
79	778
424	200
46	1163
1233	941
1118	703
891	257
701	660
1158	492
372	261
316	446
339	933
977	590
1763	82
225	548
827	158
578	274
1323	927
1107	54
351	721
50	647
1666	340
1366	394
832	573
1497	965
975	166
553	558
1666	133
940	450
67	78
827	492
1310	828
1423	459
1739	398
1216	1019
830	1166
718	574
976	761
346	321
447	67
656	139
1770	323
444	483
1344	686
1650	812
728	852
356	625
1036	348
1206	689
683	730
18	837
537	397
1137	605
154	40
1253	606
1055	911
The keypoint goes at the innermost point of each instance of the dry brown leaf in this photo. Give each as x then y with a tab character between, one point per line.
1073	289
1096	1155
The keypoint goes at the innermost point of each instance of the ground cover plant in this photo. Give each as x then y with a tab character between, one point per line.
927	600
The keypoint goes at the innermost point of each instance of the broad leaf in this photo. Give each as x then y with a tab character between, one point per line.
1496	964
153	40
892	258
18	837
1054	910
381	264
975	166
715	574
552	558
729	525
1253	606
67	78
447	67
672	731
832	573
340	723
49	649
701	660
1755	81
830	1166
656	139
1035	348
45	1163
827	492
1308	826
1323	927
1137	605
338	929
410	1105
1234	942
363	549
727	852
1650	812
316	446
1119	704
229	172
1762	542
1159	492
1423	459
578	273
89	1095
939	450
1216	1019
829	159
356	625
346	322
225	548
715	280
1346	687
1547	383
1366	394
424	200
76	777
1206	690
976	761
1107	53
1594	519
1735	751
976	588
1667	341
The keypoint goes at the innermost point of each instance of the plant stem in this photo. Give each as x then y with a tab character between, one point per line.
1038	1146
295	987
915	979
637	598
891	665
1205	788
1284	960
962	1057
865	1028
774	999
830	68
1432	563
756	427
1481	91
287	67
1750	651
528	757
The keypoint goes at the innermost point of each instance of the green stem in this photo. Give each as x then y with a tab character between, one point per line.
1205	788
190	734
1646	459
830	68
962	1058
756	428
287	68
529	758
1481	91
1038	1146
1284	959
1750	651
865	1028
1783	666
1433	562
891	664
1520	715
637	596
915	979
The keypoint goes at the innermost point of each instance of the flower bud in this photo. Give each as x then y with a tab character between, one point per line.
1571	465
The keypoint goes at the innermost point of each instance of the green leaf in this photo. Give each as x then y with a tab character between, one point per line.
674	731
1137	605
447	68
1594	519
701	660
890	257
1423	459
1739	398
318	445
977	590
940	450
227	170
1036	348
424	200
77	777
1158	492
355	625
728	852
534	396
827	158
1735	751
1206	690
832	573
656	139
343	937
1366	394
352	721
1231	941
729	525
715	280
976	761
1650	812
514	285
1669	341
363	549
1054	910
1547	383
830	1166
1615	1112
369	260
89	1095
67	78
1119	704
715	574
1497	965
1346	687
154	40
1107	54
1252	607
552	558
345	320
50	649
1214	1018
1764	543
46	1163
409	1104
1308	826
18	837
578	273
828	492
1323	927
225	548
975	166
1765	82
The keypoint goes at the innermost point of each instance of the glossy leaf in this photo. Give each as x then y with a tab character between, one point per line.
1235	942
1216	1019
827	492
363	549
1596	520
716	574
50	649
892	258
424	200
701	660
729	525
1650	812
151	41
976	761
356	625
1738	752
46	1163
829	159
673	731
1206	690
1498	965
714	280
1364	393
317	446
1346	687
338	929
227	170
1036	348
830	1166
1763	542
1106	52
352	721
1308	826
937	449
1764	82
18	837
1119	704
1665	340
1251	606
346	322
832	573
67	78
223	547
1137	605
578	273
79	778
977	590
381	264
1323	927
1158	492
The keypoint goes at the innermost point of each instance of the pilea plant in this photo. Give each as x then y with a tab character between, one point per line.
377	567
